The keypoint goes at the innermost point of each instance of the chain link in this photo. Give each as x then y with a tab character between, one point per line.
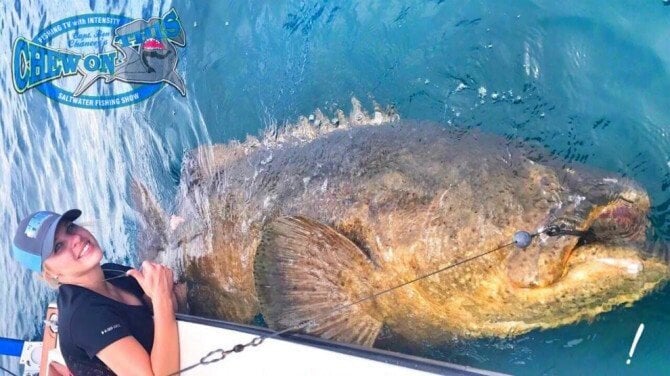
210	358
220	354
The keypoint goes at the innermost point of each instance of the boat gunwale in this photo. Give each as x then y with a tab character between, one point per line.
380	355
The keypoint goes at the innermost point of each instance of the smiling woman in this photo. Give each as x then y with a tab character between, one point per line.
107	324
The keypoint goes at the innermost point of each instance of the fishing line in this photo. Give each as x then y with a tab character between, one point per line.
521	239
361	300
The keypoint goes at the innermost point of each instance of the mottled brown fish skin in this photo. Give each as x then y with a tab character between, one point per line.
414	197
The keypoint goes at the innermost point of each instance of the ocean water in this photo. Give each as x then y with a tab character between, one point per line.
587	80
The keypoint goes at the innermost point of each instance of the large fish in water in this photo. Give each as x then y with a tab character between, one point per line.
320	214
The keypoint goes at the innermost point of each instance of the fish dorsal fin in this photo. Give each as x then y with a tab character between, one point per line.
305	269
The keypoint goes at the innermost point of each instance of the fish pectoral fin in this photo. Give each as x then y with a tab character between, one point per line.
305	271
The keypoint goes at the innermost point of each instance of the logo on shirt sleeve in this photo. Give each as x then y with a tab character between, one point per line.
109	329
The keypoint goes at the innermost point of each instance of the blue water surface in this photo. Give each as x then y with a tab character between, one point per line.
587	80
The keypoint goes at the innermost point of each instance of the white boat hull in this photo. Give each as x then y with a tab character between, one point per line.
291	354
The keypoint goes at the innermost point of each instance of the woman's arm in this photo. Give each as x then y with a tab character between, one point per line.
165	353
173	297
126	356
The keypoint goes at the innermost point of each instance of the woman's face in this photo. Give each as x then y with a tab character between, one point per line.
75	252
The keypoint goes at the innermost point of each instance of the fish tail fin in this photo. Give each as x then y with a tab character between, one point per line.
306	270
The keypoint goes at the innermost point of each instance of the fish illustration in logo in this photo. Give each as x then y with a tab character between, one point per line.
148	53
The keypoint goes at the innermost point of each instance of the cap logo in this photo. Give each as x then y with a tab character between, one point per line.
35	223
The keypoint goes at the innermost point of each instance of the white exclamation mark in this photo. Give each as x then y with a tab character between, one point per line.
640	329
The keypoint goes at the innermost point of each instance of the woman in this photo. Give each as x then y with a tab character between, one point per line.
111	318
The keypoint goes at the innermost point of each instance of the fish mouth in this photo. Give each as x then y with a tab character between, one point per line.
619	220
608	269
622	221
153	44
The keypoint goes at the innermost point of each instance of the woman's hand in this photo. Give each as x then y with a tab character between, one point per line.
155	279
126	356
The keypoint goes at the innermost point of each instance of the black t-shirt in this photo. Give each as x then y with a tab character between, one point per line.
88	322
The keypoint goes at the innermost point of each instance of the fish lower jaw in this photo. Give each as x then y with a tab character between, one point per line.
508	328
569	316
630	266
594	269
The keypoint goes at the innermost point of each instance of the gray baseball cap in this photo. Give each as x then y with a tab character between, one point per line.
34	239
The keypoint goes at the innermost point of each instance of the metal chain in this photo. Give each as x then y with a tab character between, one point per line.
220	354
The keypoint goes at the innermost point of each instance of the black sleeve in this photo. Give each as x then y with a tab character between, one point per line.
97	326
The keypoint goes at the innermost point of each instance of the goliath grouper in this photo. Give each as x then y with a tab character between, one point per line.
323	213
